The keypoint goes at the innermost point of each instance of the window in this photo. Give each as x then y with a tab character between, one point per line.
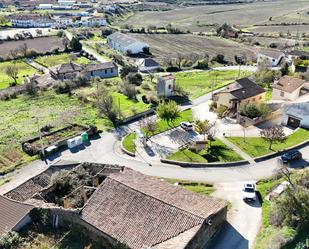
282	94
105	71
169	86
112	70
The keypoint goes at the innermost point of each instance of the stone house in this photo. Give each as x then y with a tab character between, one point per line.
126	44
165	86
296	115
14	215
143	212
289	88
241	92
65	71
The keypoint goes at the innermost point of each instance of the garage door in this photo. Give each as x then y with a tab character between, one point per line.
293	122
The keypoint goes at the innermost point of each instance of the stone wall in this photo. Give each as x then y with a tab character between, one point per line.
206	232
71	219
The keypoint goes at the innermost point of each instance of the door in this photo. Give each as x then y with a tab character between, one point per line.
293	122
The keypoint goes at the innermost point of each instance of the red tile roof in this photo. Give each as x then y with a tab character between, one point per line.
11	213
289	84
140	210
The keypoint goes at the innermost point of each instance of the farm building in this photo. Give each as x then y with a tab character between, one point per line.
14	215
296	115
241	92
289	88
31	21
148	65
102	70
143	212
65	71
271	57
92	21
165	86
126	44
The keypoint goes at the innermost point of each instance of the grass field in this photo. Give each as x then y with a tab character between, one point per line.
52	60
193	18
217	152
197	187
128	142
164	46
23	70
18	122
129	107
256	146
199	83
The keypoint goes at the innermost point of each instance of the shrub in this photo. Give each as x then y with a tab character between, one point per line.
202	64
251	111
172	69
221	110
125	70
10	240
134	78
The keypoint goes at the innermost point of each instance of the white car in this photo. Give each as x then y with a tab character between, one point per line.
248	192
187	126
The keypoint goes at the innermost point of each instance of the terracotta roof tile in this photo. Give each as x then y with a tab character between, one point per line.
288	84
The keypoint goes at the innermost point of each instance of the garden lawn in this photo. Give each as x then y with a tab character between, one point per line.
216	152
23	70
18	122
197	187
200	83
53	60
256	146
129	107
129	142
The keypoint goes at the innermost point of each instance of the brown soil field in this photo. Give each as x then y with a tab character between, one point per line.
277	29
243	15
41	44
168	46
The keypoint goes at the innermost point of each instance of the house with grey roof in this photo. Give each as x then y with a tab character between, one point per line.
148	65
102	70
126	44
271	57
296	115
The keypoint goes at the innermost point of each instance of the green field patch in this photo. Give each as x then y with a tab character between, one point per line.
216	152
53	60
256	146
24	70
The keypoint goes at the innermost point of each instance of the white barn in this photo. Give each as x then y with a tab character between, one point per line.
272	57
296	115
126	44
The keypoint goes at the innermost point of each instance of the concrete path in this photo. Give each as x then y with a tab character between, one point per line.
37	66
243	221
237	149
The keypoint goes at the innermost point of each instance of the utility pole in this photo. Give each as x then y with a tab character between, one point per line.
40	135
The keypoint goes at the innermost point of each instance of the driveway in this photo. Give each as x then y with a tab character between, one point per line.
243	222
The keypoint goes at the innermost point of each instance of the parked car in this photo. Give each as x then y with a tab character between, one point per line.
248	192
291	155
187	126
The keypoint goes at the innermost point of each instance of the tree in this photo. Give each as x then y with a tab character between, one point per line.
273	134
284	69
12	72
75	45
202	127
31	88
149	125
134	78
23	48
107	106
168	111
125	70
129	90
179	60
251	111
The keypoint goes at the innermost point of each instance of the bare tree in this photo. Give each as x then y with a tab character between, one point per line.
23	48
179	60
273	134
14	53
149	125
107	106
12	72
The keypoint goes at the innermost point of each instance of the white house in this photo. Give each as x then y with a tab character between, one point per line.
148	65
66	2
296	115
165	86
45	6
271	57
126	44
288	88
64	20
93	21
31	21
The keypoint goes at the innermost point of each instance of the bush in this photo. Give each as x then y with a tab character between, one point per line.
221	110
10	240
125	70
202	64
172	69
134	78
251	111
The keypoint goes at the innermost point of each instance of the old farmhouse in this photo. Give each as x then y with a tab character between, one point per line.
271	57
126	44
131	208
